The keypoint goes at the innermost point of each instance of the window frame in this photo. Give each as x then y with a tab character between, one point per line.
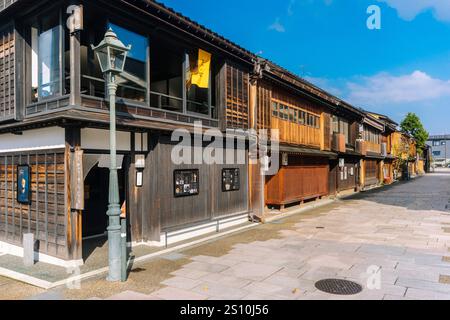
36	23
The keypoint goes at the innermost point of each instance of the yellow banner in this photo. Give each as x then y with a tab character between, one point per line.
200	77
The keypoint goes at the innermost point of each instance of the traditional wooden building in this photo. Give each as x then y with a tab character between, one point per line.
315	131
54	120
374	150
345	132
390	127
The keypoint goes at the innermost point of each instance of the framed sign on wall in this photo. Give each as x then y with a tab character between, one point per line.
23	184
231	180
186	183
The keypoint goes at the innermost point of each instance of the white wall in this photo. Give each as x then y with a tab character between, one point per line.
46	138
98	139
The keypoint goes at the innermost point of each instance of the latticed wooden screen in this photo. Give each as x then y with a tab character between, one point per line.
237	95
44	216
7	105
264	105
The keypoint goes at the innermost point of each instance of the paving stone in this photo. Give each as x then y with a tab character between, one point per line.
170	293
251	271
190	273
396	298
226	280
222	291
420	294
181	283
423	285
207	267
131	295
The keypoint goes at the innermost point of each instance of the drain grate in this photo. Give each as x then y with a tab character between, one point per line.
339	287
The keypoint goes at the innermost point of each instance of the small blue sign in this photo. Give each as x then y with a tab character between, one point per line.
23	184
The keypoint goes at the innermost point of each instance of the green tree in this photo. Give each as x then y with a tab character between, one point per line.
414	127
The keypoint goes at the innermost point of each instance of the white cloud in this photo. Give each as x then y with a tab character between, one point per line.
385	88
409	9
277	26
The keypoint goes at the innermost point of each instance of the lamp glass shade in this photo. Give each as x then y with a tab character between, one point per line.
102	55
117	59
111	53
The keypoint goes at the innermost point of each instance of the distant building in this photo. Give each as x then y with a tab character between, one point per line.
440	149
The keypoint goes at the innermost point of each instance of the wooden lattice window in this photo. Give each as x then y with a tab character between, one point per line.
237	96
264	106
7	107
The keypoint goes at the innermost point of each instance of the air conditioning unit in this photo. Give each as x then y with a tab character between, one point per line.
384	149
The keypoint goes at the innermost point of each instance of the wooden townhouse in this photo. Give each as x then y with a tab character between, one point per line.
387	150
372	147
317	135
54	121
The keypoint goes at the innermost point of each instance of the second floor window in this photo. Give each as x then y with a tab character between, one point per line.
371	135
341	126
134	84
45	58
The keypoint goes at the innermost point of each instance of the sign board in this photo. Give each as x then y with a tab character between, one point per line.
231	180
23	184
77	182
186	183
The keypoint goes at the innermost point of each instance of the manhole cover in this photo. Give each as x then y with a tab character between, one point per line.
338	286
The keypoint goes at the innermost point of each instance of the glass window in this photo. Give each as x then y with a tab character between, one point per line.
134	83
166	76
199	84
291	115
345	130
302	119
335	124
45	58
275	109
286	113
296	116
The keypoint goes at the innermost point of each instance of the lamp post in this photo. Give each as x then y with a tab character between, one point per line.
112	54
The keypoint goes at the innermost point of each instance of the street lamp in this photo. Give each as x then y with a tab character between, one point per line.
111	54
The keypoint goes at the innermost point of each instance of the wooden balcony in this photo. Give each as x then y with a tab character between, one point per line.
373	147
338	142
361	147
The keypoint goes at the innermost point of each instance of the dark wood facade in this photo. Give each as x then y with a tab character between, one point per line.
45	216
303	179
72	97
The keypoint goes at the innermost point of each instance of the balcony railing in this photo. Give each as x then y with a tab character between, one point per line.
338	142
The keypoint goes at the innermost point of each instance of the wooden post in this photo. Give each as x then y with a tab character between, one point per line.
74	217
256	180
75	65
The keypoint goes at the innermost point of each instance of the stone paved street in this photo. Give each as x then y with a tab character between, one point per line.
393	241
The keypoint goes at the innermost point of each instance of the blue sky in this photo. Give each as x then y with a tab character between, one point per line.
404	67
